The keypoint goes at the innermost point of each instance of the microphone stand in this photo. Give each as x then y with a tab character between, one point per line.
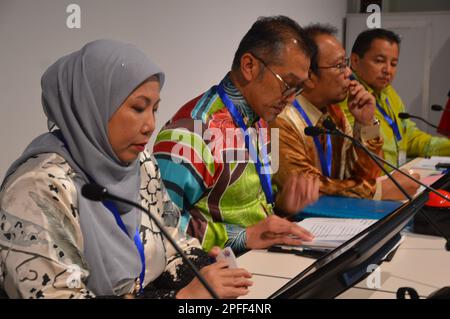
105	194
407	116
331	129
378	158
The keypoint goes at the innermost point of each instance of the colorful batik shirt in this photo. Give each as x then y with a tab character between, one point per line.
205	166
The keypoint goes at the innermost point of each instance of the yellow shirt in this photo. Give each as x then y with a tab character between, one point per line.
413	143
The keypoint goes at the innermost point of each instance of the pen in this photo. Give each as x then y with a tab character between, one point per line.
298	252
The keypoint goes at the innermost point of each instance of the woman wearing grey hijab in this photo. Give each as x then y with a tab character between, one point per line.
54	243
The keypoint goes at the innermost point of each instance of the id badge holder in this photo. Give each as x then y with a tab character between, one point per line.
401	158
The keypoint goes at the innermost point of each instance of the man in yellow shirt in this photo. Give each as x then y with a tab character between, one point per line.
374	60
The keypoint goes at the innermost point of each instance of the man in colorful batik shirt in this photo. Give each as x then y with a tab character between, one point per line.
221	182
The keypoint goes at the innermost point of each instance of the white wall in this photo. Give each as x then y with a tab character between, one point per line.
416	5
422	76
353	6
192	40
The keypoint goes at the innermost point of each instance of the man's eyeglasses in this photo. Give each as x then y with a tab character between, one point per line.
340	66
288	90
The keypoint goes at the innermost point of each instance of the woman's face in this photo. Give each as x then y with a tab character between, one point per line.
131	126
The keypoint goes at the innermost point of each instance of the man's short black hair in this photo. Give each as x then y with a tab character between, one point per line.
312	31
364	40
268	36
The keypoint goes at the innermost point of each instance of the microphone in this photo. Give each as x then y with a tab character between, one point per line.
99	193
437	108
331	129
329	125
94	192
314	131
405	116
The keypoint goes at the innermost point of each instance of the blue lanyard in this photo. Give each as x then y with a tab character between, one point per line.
325	162
113	209
261	168
137	239
392	123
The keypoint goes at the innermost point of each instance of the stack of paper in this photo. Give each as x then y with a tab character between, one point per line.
430	163
330	233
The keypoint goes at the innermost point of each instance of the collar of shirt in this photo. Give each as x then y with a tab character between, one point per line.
314	114
250	117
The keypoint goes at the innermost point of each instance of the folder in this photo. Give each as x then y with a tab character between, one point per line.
348	207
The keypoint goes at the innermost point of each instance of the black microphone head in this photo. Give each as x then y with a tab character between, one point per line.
329	124
404	116
313	131
94	192
436	107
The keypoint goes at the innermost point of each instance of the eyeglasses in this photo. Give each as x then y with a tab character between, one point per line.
340	66
288	90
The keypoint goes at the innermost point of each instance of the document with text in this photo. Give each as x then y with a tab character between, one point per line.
330	233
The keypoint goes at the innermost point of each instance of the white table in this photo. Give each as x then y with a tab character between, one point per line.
421	262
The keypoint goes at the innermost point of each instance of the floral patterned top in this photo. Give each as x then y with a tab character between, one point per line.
41	243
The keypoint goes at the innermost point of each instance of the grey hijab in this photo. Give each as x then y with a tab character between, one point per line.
80	93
